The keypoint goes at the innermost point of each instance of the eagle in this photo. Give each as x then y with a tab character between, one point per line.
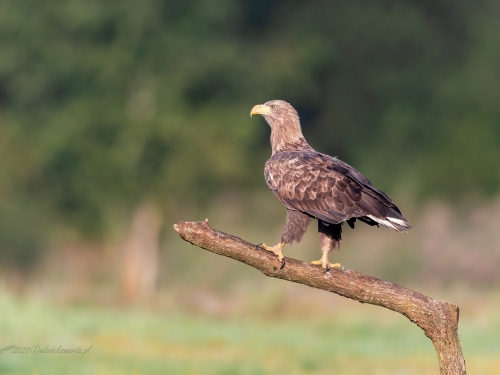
313	185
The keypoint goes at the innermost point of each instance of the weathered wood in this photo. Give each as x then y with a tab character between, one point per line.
438	319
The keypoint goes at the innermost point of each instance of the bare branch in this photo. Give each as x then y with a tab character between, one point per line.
438	319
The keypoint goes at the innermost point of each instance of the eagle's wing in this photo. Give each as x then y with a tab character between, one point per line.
328	189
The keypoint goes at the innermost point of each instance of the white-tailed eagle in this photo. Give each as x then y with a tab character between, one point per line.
314	185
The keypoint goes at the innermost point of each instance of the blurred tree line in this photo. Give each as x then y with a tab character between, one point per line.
106	105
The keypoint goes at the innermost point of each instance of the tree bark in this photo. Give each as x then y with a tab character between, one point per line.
438	319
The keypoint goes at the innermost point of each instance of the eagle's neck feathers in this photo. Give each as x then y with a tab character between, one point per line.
286	134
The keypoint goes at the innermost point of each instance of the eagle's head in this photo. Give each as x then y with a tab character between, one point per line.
276	112
283	119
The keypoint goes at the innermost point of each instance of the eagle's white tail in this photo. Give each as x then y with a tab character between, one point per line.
400	225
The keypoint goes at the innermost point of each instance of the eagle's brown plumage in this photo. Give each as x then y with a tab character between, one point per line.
314	185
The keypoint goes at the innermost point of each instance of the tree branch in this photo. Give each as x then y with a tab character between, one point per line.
438	319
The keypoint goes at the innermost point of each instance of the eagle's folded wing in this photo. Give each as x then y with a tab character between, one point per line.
328	189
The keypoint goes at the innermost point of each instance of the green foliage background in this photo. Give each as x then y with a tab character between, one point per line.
106	104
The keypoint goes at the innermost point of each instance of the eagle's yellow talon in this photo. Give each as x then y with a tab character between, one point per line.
275	250
327	265
336	265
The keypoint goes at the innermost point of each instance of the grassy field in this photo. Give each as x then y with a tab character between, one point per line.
204	322
353	339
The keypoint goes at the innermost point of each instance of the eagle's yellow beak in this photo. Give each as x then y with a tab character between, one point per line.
260	109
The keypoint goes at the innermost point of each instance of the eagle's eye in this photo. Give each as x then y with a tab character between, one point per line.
273	106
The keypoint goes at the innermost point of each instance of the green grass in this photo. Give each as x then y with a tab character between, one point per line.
354	340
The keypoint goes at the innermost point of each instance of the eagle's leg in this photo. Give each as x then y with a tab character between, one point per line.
329	238
295	227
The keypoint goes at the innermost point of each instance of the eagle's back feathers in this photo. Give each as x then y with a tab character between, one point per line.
329	189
